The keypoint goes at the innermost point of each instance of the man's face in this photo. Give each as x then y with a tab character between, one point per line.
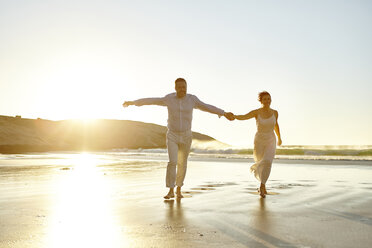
181	89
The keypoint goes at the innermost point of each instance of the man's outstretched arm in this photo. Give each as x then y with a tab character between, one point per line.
146	101
212	109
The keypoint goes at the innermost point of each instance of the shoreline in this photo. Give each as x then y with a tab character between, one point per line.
210	157
294	160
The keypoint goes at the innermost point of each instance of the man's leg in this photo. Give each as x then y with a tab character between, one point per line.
171	168
183	154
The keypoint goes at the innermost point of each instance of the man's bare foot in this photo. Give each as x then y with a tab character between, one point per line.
169	195
179	194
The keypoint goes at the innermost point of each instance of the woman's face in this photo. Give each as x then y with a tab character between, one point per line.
266	100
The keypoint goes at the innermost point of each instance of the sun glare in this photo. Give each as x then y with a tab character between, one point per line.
85	121
83	210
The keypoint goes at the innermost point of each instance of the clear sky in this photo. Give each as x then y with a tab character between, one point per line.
82	59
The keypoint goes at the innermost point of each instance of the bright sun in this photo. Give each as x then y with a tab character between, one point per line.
78	90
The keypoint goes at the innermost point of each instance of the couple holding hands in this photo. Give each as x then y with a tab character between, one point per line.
179	136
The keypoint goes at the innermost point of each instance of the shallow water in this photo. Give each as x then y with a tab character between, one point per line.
115	200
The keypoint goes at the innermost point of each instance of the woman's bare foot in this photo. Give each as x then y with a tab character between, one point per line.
262	191
265	192
263	188
170	194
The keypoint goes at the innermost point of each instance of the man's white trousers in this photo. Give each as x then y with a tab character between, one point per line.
178	144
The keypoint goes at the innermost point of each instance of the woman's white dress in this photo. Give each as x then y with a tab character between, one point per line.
264	148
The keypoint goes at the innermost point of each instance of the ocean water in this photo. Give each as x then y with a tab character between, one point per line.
357	153
121	163
288	154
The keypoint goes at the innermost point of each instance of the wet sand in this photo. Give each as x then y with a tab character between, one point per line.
104	201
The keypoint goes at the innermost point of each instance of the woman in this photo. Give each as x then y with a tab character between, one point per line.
264	141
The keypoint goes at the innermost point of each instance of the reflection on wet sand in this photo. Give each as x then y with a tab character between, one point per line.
175	214
261	216
83	214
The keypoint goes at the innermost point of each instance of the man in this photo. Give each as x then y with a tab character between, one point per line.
179	136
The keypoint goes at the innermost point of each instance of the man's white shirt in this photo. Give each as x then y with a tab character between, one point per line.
180	109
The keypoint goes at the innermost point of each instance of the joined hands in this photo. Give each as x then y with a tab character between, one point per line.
230	116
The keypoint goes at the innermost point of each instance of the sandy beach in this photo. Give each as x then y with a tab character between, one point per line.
115	200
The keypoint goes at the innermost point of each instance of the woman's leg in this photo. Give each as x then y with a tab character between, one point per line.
266	163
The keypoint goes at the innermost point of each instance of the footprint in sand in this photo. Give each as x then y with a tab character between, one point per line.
204	188
290	185
214	184
192	192
268	193
209	186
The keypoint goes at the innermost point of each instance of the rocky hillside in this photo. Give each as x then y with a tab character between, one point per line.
19	135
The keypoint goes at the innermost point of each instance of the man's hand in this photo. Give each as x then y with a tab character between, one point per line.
230	116
127	103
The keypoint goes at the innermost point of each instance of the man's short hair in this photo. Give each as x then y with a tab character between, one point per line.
178	80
